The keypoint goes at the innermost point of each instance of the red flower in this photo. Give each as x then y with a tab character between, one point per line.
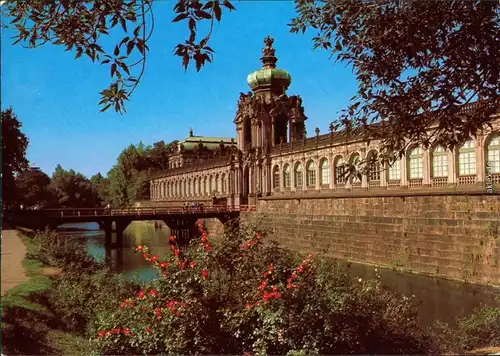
172	247
204	274
176	252
158	313
153	292
300	269
139	248
100	334
172	238
140	294
147	330
154	258
108	333
263	285
164	264
126	331
146	256
258	236
192	264
208	248
248	306
116	331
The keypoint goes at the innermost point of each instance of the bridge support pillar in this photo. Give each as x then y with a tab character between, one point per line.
184	229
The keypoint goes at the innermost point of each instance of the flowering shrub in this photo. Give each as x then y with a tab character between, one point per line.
238	294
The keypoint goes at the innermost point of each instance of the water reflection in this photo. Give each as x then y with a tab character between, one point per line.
122	259
439	299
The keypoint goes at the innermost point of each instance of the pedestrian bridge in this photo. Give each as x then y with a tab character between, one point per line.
180	219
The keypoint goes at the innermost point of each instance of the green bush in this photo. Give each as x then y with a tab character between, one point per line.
64	252
239	295
77	298
480	329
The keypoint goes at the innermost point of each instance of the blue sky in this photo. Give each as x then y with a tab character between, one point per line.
56	97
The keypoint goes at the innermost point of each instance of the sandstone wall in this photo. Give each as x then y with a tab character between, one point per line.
453	236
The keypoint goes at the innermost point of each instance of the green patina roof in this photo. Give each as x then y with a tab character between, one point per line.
269	76
212	143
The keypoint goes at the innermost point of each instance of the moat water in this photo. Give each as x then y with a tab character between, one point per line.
438	299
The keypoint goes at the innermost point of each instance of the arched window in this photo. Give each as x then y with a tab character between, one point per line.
339	170
217	188
223	183
311	173
373	167
286	176
355	159
394	168
276	177
212	185
324	172
467	159
205	187
416	163
299	173
189	188
200	191
439	162
493	154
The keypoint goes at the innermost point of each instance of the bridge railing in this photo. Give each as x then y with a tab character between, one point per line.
87	212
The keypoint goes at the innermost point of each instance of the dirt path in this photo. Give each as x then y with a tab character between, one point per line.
13	252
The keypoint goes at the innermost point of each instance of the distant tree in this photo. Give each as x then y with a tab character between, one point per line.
71	189
124	177
417	63
156	157
32	187
14	145
100	186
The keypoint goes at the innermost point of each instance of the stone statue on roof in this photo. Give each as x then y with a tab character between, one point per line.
268	50
190	132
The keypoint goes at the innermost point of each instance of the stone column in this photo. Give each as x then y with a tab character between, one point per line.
480	160
426	161
452	166
364	176
318	173
404	174
331	165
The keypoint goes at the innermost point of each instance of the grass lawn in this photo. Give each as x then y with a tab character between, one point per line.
29	326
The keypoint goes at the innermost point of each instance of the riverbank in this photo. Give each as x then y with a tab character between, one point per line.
29	325
71	296
13	253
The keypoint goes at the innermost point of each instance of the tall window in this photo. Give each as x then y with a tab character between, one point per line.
324	172
195	187
493	154
286	176
223	183
355	162
299	172
339	171
395	168
416	163
200	191
276	177
467	159
439	162
205	188
216	188
311	173
373	168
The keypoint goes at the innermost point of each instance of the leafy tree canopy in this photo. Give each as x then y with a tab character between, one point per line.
417	62
14	145
32	188
71	189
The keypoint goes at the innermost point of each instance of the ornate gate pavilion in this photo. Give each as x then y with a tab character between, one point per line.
272	155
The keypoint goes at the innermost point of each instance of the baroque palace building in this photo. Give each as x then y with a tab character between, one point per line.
271	155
